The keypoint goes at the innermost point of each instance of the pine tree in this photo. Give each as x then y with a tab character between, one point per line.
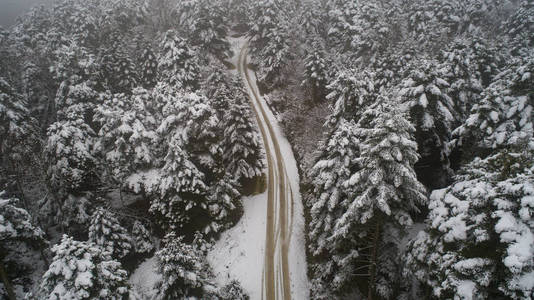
82	270
106	232
479	235
177	64
142	238
183	269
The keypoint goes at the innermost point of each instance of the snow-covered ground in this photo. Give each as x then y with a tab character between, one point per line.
239	254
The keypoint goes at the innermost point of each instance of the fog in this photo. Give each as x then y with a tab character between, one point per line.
11	9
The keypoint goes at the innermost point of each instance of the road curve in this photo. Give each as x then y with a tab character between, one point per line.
276	276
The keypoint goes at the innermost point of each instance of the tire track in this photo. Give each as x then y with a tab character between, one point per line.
276	277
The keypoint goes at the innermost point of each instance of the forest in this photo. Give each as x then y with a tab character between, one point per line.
126	134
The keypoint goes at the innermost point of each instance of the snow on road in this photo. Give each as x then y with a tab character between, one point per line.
240	253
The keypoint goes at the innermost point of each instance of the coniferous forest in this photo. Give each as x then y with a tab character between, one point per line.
127	136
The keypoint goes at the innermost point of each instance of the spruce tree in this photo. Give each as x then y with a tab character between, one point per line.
425	94
177	63
18	234
242	149
382	195
148	72
142	238
106	232
183	269
82	270
327	204
479	235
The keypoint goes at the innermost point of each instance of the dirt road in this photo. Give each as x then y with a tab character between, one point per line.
276	276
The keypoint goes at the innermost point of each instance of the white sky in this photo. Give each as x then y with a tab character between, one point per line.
11	9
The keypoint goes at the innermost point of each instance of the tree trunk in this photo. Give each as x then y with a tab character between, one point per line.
7	284
374	254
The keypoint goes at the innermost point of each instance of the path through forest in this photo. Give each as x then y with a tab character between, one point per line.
276	276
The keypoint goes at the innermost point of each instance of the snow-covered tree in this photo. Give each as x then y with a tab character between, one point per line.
69	155
478	243
148	68
177	64
206	27
142	238
342	16
505	114
327	203
223	201
106	232
382	194
242	156
424	94
520	27
269	43
350	93
82	270
184	270
17	233
233	291
16	126
127	133
316	71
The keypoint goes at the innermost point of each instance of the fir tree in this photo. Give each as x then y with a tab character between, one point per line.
69	156
127	133
316	71
184	272
504	116
425	95
350	93
17	233
242	149
233	291
224	200
82	270
106	232
177	64
207	28
17	128
148	72
382	195
478	243
142	238
327	203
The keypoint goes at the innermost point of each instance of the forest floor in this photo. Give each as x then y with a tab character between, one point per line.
281	274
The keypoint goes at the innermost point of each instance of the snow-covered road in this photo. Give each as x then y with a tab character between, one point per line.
282	273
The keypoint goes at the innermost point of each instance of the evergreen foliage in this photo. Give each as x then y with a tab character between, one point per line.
184	272
82	270
106	232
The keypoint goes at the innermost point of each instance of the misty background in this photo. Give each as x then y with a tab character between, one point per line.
11	9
